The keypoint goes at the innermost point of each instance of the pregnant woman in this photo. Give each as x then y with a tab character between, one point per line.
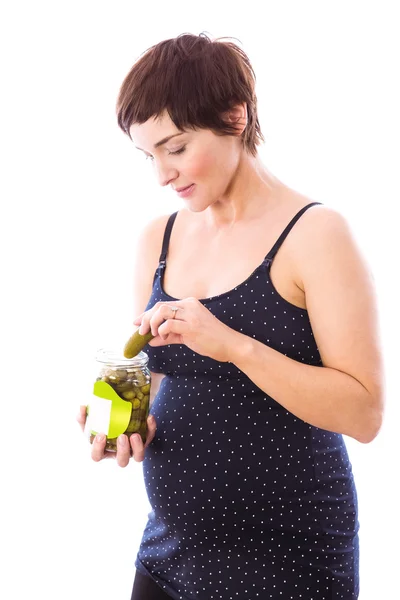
266	350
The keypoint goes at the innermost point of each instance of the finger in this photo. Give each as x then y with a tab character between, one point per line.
137	447
153	318
98	447
144	319
81	417
138	319
173	329
157	320
166	341
151	429
123	451
162	315
144	326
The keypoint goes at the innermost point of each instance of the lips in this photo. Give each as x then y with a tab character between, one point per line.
186	191
182	189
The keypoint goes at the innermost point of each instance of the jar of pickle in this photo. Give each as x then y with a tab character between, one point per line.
120	400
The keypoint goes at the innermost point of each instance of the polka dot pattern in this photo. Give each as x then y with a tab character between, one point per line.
248	501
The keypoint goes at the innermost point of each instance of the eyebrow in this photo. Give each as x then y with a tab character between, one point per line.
163	141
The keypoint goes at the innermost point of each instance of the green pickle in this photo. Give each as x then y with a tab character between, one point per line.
131	380
123	387
136	343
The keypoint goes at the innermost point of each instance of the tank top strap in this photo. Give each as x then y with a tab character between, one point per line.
271	254
167	235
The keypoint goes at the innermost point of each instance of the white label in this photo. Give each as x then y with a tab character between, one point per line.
99	416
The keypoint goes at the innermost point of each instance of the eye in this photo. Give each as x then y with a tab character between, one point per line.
179	151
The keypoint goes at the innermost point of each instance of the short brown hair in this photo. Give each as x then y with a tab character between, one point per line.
196	79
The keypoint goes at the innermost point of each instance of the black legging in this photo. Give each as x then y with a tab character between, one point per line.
144	588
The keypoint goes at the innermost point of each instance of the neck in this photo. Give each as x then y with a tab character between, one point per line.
248	195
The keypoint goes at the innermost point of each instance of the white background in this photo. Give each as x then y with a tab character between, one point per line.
75	193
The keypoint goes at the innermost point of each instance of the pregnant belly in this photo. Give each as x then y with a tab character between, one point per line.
224	455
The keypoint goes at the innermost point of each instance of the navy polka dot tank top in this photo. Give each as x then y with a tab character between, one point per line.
248	501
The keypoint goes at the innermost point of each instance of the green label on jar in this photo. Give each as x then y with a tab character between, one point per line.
107	412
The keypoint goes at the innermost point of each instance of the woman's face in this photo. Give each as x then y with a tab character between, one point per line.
200	159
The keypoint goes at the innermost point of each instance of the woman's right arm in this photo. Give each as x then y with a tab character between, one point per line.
148	249
147	255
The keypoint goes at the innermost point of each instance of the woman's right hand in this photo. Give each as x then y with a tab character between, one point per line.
126	447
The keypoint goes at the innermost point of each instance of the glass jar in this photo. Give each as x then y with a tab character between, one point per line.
120	400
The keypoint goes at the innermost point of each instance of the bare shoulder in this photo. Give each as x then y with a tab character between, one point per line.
152	233
320	229
322	219
147	253
328	257
149	242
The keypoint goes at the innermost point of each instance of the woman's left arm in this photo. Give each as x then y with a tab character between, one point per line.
346	395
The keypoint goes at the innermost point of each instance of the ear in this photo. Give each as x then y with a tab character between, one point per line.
237	116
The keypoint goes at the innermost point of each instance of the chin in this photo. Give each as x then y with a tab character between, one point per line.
196	207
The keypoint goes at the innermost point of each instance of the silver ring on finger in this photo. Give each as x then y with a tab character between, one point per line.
174	310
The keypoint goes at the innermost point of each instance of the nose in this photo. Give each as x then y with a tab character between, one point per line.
165	174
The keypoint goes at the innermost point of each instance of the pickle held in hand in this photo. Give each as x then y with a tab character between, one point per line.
136	343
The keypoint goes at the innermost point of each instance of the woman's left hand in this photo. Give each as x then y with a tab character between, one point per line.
192	324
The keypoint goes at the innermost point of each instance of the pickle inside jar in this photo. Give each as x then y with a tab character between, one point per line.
131	385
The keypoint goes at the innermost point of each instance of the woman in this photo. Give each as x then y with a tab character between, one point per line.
266	350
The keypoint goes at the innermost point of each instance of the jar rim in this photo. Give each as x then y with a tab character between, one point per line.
111	357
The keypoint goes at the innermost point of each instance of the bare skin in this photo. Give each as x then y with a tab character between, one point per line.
202	263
